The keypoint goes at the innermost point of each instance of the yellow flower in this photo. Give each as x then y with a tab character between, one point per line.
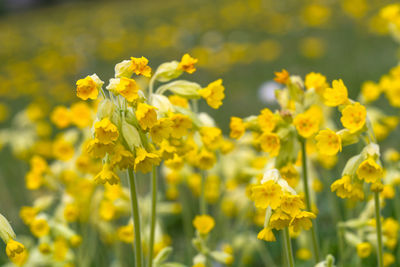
106	131
270	143
187	64
88	87
96	149
161	130
81	115
370	91
62	149
122	157
266	234
106	175
211	137
316	81
353	117
60	248
203	224
146	115
126	233
179	101
369	171
60	117
364	249
213	94
145	161
266	120
306	123
267	194
128	89
279	220
302	220
71	212
139	66
205	160
282	77
388	259
28	214
304	254
237	127
16	252
181	125
291	204
337	95
328	142
33	180
39	227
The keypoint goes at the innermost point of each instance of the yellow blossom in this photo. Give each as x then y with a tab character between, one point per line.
61	117
337	95
187	63
213	94
145	161
270	143
328	142
106	131
302	221
161	130
370	91
106	175
16	252
139	66
266	234
353	117
282	77
279	220
364	249
205	159
28	214
211	137
88	87
369	171
317	81
71	212
81	114
266	120
291	204
307	124
96	149
128	89
126	234
177	100
39	227
237	127
304	254
203	224
181	125
62	149
388	259
267	194
146	115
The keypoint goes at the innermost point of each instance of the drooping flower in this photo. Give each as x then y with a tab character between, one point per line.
302	221
88	87
369	171
306	124
337	95
107	175
270	143
145	161
139	66
267	194
146	116
266	120
187	63
203	223
353	117
213	94
328	142
266	234
237	127
127	88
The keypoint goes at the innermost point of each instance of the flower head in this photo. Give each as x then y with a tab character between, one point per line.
203	223
267	194
337	95
364	249
213	94
146	115
369	171
302	221
266	234
16	252
88	87
282	77
237	127
306	124
328	142
145	161
266	120
353	117
187	63
107	175
270	143
106	131
127	88
139	66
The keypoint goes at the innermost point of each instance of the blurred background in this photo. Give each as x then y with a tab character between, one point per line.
45	46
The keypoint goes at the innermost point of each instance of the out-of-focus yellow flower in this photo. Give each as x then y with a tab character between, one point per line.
370	91
161	130
60	248
316	14
354	117
328	142
205	159
213	94
203	224
307	123
61	117
237	127
266	234
282	77
187	63
364	249
388	259
39	227
146	115
211	137
303	254
291	204
270	143
267	120
178	101
16	252
71	212
28	214
279	220
312	47
62	149
345	189
126	233
316	81
81	114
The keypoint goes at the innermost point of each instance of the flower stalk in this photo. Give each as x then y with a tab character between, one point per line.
378	229
288	247
153	213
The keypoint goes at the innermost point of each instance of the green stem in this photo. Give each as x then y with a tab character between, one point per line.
341	244
378	229
136	218
153	213
308	200
288	247
203	204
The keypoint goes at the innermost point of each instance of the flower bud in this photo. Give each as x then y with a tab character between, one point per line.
6	231
167	71
162	255
105	109
162	103
182	88
123	69
347	137
221	256
131	135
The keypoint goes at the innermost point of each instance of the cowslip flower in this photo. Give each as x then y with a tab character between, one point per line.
213	94
127	88
279	220
205	159
354	117
161	130
302	220
145	161
211	137
291	204
203	224
39	227
61	117
237	128
180	125
146	116
139	66
267	194
126	234
364	249
187	64
266	120
88	88
282	77
81	114
16	252
306	124
106	131
328	142
270	143
106	175
337	95
266	234
369	171
317	81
